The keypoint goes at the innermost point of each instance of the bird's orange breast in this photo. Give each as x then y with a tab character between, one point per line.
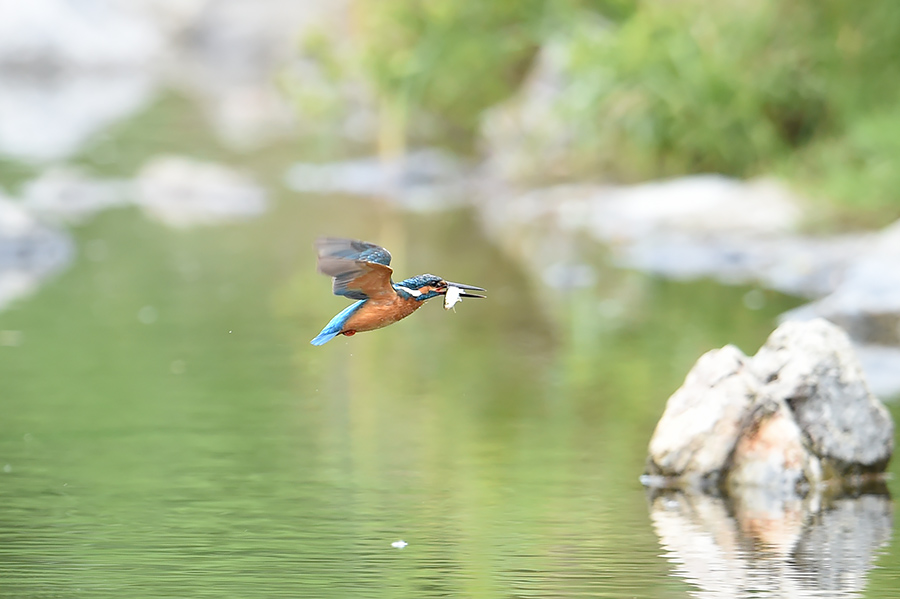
375	314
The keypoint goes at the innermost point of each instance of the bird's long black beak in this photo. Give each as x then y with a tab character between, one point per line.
469	287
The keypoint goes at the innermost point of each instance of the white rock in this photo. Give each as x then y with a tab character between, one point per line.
57	113
422	181
796	412
770	453
69	69
68	196
528	136
812	366
697	204
867	300
95	34
29	252
702	421
231	55
181	193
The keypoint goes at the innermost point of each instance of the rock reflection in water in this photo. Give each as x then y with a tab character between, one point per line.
768	546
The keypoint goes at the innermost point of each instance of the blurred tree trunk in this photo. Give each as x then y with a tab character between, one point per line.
393	118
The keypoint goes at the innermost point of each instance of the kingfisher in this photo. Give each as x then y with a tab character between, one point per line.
362	271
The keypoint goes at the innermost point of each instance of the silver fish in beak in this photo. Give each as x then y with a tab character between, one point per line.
457	291
452	297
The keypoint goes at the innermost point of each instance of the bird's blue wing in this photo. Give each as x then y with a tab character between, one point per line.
360	269
333	328
352	249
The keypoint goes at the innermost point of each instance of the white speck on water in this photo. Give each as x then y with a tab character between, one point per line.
399	544
229	332
147	315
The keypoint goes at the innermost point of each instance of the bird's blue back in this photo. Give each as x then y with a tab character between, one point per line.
333	328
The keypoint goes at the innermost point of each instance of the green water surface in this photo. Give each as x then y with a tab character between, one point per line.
168	431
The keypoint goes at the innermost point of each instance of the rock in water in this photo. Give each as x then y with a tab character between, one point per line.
797	413
697	432
770	453
812	367
182	193
866	302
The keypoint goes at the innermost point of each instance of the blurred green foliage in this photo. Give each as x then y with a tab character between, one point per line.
436	66
678	90
743	89
858	168
446	60
805	89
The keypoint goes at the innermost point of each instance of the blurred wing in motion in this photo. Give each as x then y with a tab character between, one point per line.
361	270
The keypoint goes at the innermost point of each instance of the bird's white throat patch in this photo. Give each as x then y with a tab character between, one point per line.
412	292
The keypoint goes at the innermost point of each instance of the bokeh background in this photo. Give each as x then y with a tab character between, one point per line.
635	183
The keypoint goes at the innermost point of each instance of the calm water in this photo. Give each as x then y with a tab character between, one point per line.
168	431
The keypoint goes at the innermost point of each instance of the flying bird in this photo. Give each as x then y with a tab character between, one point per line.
362	272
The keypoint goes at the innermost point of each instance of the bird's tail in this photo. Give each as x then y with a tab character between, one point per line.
325	336
333	328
